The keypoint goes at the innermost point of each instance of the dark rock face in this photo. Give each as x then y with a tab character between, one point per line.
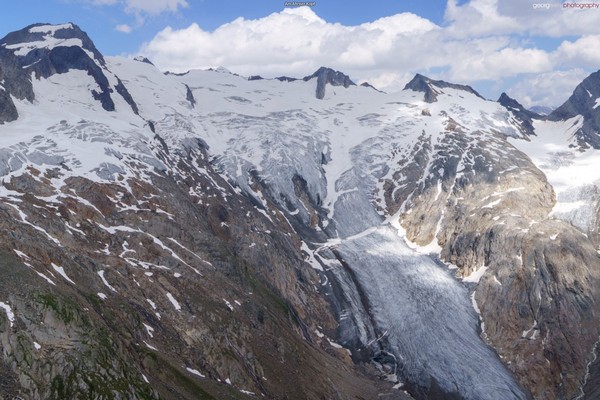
328	76
122	90
524	116
368	85
143	60
8	111
190	96
286	79
428	86
583	102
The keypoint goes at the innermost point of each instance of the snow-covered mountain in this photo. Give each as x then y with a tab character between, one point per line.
230	235
583	104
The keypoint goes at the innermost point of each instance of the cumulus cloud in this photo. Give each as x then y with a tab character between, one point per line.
584	51
292	41
481	40
478	18
502	63
547	89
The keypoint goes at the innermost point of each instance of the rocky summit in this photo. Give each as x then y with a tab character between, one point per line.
211	236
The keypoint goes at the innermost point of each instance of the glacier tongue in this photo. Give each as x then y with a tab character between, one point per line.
430	323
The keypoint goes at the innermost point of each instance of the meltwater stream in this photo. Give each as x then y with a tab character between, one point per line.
430	322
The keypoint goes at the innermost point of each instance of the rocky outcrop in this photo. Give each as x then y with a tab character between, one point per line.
327	76
432	88
524	117
143	60
8	111
368	85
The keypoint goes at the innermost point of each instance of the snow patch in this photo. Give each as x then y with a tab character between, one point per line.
9	313
228	304
195	372
150	346
174	302
62	273
476	275
101	274
149	329
50	281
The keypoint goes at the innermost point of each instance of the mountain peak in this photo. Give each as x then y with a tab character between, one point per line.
44	50
432	88
325	76
32	40
524	116
506	98
513	105
583	102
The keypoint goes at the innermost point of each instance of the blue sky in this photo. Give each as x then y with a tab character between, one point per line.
536	54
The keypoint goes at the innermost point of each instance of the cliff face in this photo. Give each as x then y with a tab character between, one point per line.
204	235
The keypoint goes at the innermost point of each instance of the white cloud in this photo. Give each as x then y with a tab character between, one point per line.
123	28
585	51
294	41
506	62
477	18
481	40
547	89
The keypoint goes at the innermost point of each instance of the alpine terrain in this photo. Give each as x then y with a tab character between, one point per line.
212	236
